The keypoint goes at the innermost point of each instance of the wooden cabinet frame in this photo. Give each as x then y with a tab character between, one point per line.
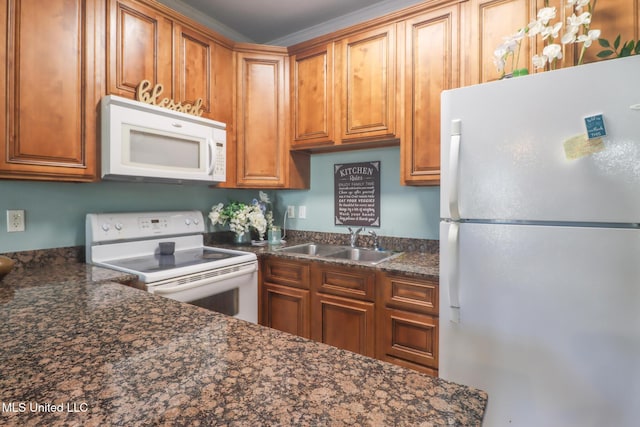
50	115
389	316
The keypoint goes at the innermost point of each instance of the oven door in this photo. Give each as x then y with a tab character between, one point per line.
230	290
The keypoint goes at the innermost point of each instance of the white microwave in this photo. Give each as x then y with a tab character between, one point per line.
143	142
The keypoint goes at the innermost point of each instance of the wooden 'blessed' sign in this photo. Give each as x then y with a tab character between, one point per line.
151	95
357	194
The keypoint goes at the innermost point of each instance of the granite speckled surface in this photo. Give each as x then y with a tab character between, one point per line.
77	349
424	264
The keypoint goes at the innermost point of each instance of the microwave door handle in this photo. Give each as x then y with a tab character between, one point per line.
210	158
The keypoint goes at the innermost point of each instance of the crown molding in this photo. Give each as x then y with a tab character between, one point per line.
353	18
205	20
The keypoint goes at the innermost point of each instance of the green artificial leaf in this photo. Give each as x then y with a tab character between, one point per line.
626	50
616	43
604	42
605	53
637	50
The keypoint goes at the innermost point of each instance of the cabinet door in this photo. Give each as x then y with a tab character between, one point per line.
262	146
50	78
491	20
194	79
312	112
286	309
344	323
368	87
431	66
140	48
612	18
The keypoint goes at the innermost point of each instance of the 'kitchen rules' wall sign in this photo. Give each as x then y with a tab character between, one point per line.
357	194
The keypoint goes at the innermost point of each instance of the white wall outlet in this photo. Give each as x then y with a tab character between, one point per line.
302	212
291	211
15	220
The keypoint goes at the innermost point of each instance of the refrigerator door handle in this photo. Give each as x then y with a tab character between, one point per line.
452	273
454	164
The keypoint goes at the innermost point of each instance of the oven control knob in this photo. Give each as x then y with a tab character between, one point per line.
105	227
187	221
118	226
196	221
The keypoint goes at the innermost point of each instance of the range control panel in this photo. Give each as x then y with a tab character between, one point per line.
107	227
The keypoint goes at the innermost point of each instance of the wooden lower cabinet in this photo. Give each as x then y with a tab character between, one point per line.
407	321
284	296
391	317
344	323
286	309
408	339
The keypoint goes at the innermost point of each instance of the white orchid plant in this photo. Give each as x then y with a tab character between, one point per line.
577	30
242	217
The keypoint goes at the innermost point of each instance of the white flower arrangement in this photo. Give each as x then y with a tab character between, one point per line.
577	30
240	217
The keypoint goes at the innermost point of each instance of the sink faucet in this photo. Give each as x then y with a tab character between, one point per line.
375	240
353	236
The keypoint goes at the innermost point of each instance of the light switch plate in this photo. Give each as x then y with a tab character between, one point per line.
302	212
15	220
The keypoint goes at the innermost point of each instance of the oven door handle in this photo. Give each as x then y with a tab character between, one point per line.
191	285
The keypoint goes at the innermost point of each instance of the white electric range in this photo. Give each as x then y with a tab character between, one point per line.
166	251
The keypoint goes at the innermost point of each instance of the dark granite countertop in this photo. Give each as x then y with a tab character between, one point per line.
78	349
420	264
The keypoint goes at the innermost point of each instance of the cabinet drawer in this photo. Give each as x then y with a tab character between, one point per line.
286	272
409	293
344	281
408	339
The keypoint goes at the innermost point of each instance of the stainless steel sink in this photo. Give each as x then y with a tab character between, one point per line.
311	249
320	250
364	255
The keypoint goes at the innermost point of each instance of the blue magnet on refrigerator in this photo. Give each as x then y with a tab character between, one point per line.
595	126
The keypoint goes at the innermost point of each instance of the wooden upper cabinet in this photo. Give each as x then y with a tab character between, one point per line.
612	18
140	48
52	69
431	65
312	95
194	78
368	88
491	21
261	119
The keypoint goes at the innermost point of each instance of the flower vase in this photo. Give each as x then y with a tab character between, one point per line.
516	73
242	239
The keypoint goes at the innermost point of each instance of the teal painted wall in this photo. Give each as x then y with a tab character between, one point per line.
55	211
404	211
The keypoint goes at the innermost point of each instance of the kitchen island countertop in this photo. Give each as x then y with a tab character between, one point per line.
78	349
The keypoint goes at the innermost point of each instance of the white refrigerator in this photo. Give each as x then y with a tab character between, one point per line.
540	245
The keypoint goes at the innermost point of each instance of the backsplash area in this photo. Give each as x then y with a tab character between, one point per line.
63	255
55	211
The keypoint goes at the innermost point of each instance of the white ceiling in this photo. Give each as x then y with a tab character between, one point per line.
273	21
